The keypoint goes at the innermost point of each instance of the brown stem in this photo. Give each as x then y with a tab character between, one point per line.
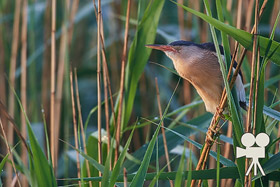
10	132
75	124
10	152
23	84
163	132
81	123
119	119
99	85
52	102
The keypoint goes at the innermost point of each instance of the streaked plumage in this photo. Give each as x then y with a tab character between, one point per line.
198	63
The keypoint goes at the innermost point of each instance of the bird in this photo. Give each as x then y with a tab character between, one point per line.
198	64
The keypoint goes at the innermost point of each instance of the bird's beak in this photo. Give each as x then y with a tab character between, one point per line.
163	48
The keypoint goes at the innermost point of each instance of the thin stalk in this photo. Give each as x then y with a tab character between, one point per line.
46	66
107	116
257	88
163	132
23	84
99	85
81	123
227	148
252	81
10	152
124	177
52	102
3	96
253	88
60	78
75	6
119	119
105	63
75	125
13	61
249	12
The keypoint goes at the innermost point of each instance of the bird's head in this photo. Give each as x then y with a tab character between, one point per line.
180	51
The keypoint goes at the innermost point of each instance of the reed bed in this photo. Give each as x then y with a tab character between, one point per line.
95	107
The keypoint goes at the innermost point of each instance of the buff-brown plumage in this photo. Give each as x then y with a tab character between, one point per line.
198	63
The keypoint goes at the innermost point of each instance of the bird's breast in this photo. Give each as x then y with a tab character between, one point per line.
207	80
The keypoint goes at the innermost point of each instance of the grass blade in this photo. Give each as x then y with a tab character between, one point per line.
180	172
120	161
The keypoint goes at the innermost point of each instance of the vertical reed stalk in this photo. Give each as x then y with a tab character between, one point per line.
119	120
10	152
99	85
52	103
46	65
60	78
2	80
81	123
124	177
13	60
247	181
107	117
257	88
75	6
249	13
163	132
23	84
75	124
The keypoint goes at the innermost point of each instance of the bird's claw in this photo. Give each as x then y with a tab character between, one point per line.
211	131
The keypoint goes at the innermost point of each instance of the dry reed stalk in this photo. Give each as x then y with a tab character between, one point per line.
247	181
239	14
9	118
249	12
106	80
212	164
163	132
227	148
2	83
257	88
105	67
52	102
75	124
99	85
10	153
119	119
81	123
46	65
60	80
107	88
23	84
105	63
13	61
125	177
107	116
75	6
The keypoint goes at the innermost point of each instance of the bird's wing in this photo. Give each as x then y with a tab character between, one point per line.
240	91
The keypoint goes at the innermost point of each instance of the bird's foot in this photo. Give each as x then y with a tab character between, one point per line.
211	133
